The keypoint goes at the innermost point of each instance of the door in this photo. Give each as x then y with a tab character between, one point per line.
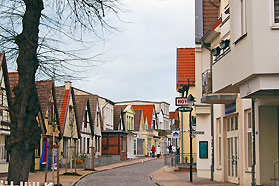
232	149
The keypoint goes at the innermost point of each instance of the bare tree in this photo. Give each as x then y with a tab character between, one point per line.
34	32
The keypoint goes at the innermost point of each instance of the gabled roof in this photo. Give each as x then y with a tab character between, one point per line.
6	77
138	116
44	90
117	115
185	68
63	99
82	101
148	111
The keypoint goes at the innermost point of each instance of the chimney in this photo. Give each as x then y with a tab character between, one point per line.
68	85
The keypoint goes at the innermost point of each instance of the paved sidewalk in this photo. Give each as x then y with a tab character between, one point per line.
68	180
167	177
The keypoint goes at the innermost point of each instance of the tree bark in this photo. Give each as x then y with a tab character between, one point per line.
25	131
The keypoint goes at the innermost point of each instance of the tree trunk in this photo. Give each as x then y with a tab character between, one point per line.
25	131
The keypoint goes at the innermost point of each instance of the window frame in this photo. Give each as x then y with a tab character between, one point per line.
273	25
219	142
247	131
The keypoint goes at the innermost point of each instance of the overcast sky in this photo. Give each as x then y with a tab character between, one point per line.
141	58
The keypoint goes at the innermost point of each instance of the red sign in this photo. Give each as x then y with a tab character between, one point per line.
179	101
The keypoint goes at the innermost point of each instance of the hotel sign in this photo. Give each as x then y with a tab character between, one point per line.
230	108
179	101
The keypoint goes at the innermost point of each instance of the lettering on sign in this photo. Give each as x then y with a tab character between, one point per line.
197	132
179	101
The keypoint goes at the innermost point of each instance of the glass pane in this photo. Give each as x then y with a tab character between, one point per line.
236	122
236	156
276	11
229	156
228	124
232	124
220	150
219	126
249	120
249	149
232	156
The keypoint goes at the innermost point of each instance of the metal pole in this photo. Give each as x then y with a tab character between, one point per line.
182	137
254	143
191	146
212	143
58	165
53	154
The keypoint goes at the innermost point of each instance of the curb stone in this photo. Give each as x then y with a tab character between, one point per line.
152	179
73	184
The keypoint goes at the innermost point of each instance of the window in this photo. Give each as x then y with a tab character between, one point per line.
65	147
3	152
238	19
232	123
123	144
85	119
274	13
219	142
88	145
248	124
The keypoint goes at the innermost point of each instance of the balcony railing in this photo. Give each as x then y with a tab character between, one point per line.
206	82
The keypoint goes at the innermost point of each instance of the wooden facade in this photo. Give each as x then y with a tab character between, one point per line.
115	143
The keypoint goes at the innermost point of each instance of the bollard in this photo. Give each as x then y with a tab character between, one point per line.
34	183
25	184
38	183
1	181
12	183
21	183
6	183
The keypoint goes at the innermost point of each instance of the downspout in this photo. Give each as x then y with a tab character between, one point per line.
254	143
211	117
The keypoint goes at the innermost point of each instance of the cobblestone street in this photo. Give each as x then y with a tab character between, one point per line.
132	175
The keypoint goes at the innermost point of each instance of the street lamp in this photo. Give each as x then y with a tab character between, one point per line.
191	100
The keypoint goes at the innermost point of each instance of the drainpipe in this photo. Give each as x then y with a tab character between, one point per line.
211	117
254	143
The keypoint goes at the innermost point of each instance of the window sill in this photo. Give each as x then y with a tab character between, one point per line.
239	39
219	168
274	27
248	170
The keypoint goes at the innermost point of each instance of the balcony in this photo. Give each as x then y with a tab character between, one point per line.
208	97
206	82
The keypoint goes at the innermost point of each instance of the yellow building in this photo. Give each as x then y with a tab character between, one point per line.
186	81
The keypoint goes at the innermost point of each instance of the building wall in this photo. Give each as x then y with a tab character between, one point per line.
186	138
112	144
107	113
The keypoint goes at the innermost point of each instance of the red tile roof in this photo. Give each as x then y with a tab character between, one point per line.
174	115
210	15
64	107
147	111
185	69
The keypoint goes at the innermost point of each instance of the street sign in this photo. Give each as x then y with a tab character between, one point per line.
184	109
179	101
197	132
